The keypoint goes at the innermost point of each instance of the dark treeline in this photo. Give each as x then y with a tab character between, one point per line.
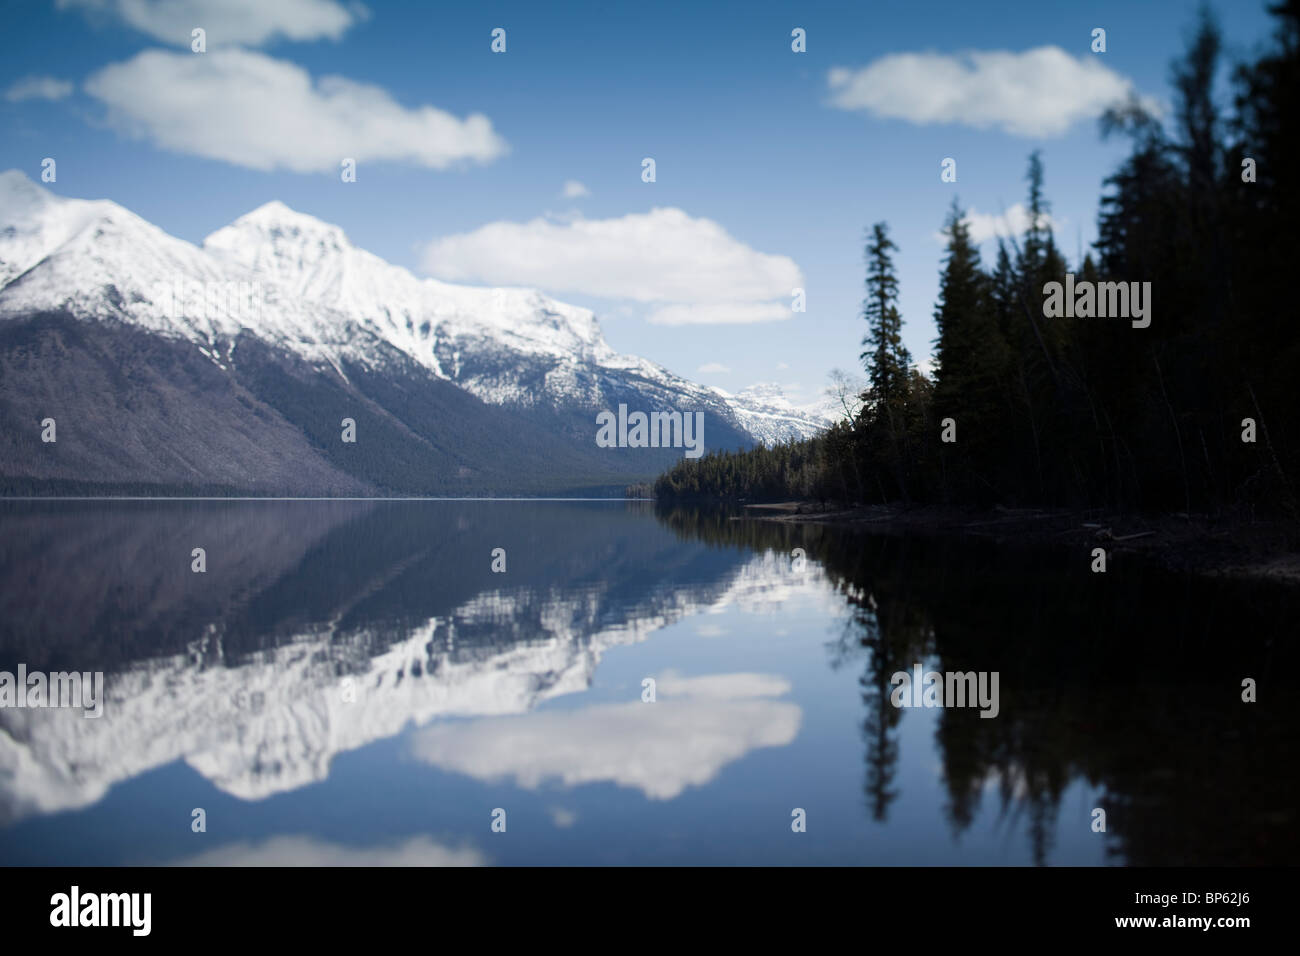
1092	412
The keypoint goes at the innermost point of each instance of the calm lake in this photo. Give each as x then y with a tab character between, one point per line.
353	682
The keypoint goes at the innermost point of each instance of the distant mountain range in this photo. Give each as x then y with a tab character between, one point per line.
229	368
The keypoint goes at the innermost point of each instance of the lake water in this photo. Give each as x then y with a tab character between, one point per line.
351	681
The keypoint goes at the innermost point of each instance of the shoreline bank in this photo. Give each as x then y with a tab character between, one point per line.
1199	544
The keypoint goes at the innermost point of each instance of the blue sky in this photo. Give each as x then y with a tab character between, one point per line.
767	172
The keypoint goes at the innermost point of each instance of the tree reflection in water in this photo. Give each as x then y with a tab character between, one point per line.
1129	680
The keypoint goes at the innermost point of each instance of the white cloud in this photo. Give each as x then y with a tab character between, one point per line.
251	110
38	88
695	727
690	269
311	851
574	189
985	226
1040	92
229	22
782	365
711	368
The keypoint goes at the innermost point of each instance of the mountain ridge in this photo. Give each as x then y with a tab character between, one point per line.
317	315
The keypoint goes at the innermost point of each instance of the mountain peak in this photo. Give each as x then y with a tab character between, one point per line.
35	222
283	244
274	219
20	195
12	178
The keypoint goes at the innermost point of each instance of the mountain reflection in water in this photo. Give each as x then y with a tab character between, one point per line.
350	682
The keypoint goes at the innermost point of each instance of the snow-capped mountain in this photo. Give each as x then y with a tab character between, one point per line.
311	261
303	302
770	417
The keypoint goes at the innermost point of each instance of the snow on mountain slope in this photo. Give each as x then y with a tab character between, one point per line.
317	295
95	259
36	222
770	417
504	345
313	261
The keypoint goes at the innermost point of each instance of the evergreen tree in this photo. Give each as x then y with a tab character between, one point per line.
1264	346
970	354
1037	235
963	312
886	359
888	364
